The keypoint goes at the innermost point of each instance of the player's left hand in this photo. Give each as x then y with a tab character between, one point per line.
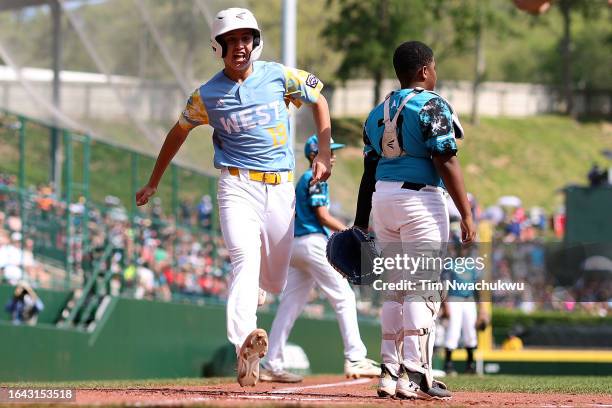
483	319
468	230
321	168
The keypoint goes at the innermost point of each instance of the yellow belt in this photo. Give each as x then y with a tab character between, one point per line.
263	176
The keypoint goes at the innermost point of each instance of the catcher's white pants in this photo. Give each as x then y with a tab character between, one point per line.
257	226
462	321
309	266
408	217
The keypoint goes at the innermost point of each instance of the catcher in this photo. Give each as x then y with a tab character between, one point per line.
464	317
410	164
308	267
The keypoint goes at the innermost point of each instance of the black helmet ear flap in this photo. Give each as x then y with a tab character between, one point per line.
256	38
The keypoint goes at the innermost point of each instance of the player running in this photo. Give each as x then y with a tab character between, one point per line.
309	267
245	105
410	159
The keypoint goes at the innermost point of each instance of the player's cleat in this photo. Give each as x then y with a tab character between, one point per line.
361	368
278	376
261	299
440	384
413	385
387	383
405	388
438	391
253	349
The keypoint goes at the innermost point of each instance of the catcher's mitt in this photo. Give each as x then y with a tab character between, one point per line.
352	252
481	323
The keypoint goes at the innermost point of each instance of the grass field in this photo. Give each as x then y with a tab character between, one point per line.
532	158
532	384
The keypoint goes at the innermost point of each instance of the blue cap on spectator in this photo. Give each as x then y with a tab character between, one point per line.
312	146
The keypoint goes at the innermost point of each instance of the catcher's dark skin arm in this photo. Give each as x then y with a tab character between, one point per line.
447	166
366	189
482	310
444	310
328	220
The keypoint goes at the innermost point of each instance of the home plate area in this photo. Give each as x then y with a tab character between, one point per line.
315	391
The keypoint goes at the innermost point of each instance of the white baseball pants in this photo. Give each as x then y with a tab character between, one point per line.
257	226
461	322
407	217
309	266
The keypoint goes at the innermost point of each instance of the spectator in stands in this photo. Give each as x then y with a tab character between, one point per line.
205	209
596	176
46	199
129	276
185	212
11	257
13	221
25	305
157	212
146	282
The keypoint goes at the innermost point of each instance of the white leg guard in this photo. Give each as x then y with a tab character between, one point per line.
418	334
423	338
391	325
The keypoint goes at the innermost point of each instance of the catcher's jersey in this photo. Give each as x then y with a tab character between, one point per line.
425	128
308	197
251	119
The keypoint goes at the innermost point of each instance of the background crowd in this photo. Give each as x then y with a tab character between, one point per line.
150	255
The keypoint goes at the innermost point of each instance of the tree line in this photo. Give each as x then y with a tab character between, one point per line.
569	46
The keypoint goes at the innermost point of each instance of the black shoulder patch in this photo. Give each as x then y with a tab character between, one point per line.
435	118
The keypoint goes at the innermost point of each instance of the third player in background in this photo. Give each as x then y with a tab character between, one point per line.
309	266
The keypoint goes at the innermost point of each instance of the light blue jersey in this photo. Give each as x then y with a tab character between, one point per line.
308	197
425	128
251	119
460	275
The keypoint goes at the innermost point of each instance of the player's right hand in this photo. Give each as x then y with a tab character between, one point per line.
468	230
143	195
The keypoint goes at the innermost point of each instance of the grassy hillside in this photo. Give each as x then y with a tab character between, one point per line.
531	158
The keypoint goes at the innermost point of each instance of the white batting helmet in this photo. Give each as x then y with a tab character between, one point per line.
234	19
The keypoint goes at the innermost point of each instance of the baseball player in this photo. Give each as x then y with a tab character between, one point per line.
461	308
410	161
245	103
309	266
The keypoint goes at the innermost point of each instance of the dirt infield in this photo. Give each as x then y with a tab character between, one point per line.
318	391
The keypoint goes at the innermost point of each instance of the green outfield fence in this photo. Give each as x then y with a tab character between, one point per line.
92	172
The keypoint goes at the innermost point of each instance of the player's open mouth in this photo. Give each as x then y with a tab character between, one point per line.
240	57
